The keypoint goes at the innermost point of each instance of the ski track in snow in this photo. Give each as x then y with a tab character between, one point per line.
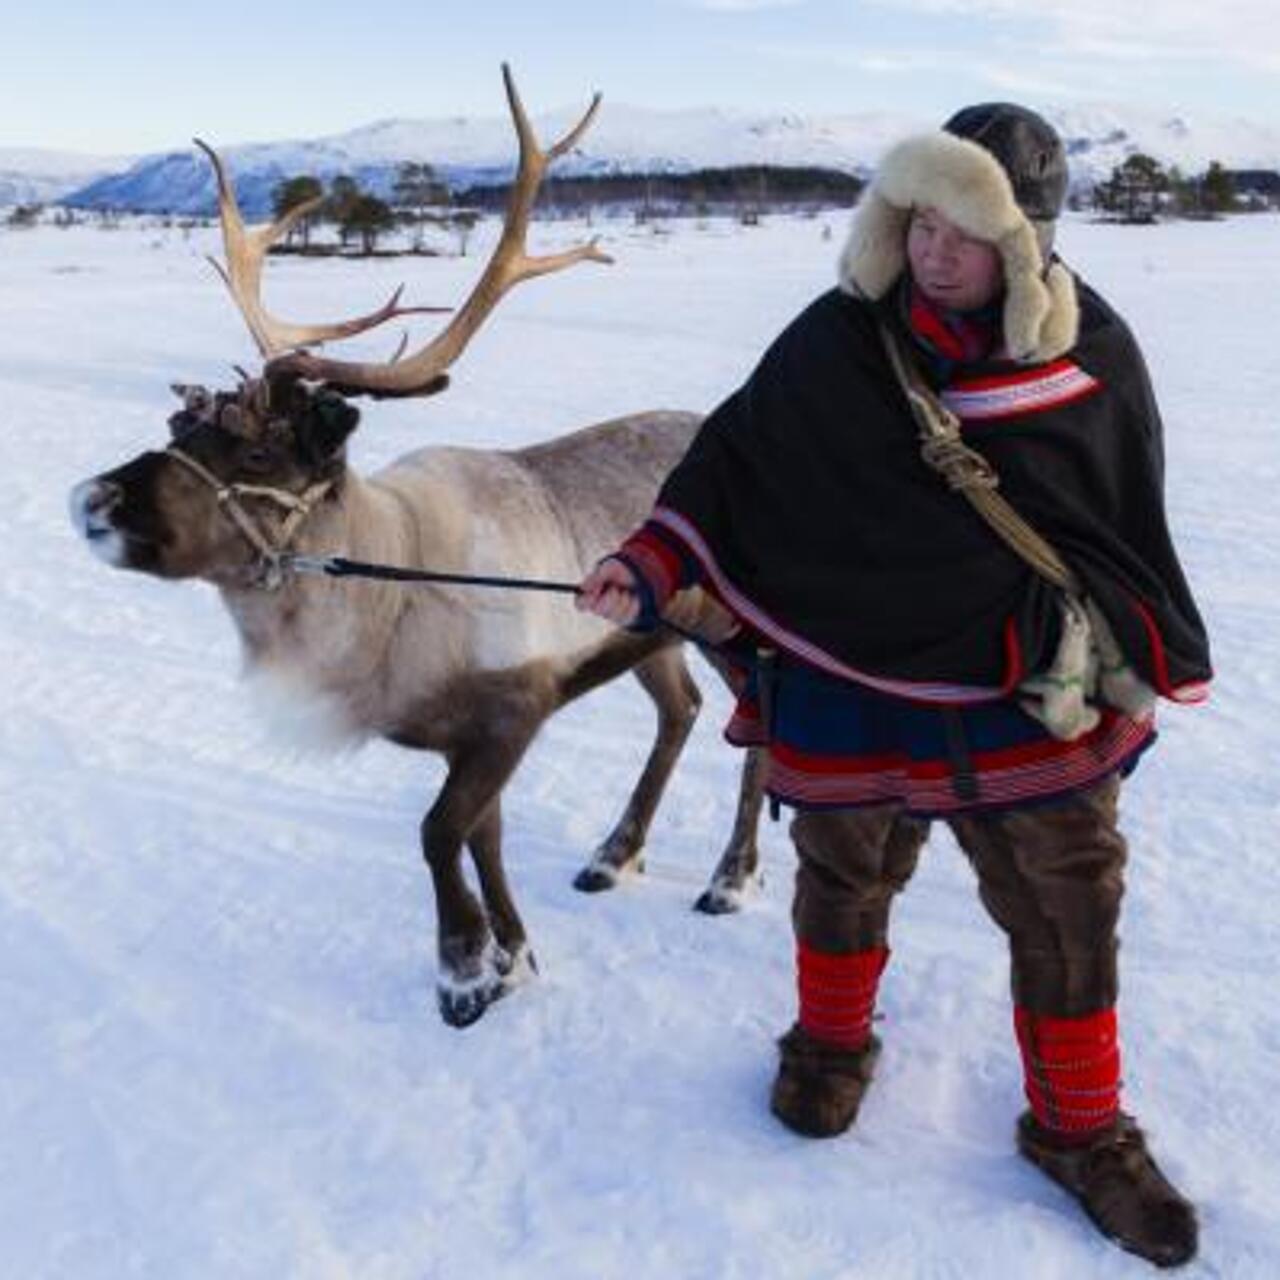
219	1053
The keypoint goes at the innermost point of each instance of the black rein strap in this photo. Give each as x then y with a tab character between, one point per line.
340	567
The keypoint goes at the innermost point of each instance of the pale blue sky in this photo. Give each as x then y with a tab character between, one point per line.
128	76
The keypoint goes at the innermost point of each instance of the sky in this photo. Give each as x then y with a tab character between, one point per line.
134	76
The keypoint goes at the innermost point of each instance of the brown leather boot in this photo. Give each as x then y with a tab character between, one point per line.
820	1085
1120	1187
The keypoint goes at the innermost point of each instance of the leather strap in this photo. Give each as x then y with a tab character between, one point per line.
968	472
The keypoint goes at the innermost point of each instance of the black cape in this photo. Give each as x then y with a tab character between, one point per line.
809	498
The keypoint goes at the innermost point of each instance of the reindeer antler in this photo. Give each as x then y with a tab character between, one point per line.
246	248
422	372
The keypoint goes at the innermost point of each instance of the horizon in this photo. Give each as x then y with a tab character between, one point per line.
921	58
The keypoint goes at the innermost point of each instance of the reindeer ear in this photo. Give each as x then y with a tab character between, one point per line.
196	403
325	426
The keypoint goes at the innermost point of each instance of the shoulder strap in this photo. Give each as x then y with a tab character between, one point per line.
967	471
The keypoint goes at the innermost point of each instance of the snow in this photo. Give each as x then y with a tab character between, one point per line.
219	1054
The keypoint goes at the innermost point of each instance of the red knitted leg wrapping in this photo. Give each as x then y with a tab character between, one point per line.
1072	1070
838	993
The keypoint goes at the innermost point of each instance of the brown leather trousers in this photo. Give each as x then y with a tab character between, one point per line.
1051	876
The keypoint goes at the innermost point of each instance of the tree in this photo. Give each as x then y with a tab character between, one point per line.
463	223
344	191
289	194
1218	190
753	196
416	188
1134	189
1184	192
368	217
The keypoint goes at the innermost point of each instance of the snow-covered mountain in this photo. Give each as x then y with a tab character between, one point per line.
632	139
29	175
478	150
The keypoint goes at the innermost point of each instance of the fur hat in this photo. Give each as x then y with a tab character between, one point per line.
999	173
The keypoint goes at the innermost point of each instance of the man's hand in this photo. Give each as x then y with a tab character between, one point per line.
609	591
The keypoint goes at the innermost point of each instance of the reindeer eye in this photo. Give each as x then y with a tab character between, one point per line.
257	457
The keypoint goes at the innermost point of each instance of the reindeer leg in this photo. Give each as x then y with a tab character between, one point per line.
737	870
666	679
471	973
514	960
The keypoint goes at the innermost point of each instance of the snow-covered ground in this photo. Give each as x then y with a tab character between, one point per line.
219	1053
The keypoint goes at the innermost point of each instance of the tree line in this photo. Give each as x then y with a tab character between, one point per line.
418	199
742	191
1141	189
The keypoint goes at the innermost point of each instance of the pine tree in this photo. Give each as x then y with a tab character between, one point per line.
368	217
416	188
344	191
1218	190
289	194
1134	189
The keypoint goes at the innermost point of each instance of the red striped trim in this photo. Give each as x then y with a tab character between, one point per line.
935	692
925	787
837	992
1017	377
745	728
1016	394
1191	693
997	759
1071	1069
660	564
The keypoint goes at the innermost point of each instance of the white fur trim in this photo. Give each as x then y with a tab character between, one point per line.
968	186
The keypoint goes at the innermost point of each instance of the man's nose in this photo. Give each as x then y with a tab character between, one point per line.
944	248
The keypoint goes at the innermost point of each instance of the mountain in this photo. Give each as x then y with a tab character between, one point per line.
469	150
1099	138
32	176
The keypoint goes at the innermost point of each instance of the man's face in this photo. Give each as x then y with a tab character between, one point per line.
952	268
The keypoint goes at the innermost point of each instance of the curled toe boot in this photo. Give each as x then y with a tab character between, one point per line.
819	1086
1121	1188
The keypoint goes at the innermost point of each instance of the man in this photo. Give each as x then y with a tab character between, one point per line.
909	664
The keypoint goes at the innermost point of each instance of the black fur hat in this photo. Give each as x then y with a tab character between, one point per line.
1028	149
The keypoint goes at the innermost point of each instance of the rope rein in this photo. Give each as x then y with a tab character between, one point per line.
968	472
298	505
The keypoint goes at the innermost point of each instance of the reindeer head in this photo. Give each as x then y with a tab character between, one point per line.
242	471
245	468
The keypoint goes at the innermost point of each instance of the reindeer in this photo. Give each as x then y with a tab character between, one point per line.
256	475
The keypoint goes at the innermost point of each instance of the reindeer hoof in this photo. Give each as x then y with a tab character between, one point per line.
596	877
462	1008
719	902
463	1001
724	897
